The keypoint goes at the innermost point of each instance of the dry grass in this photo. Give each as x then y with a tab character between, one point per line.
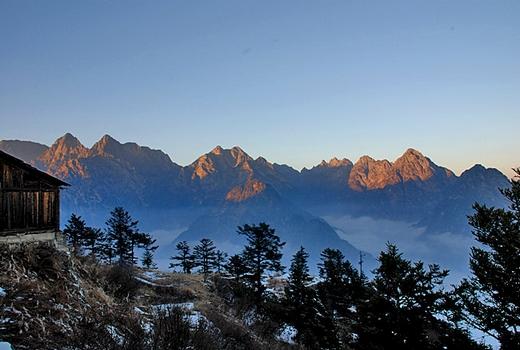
56	301
47	294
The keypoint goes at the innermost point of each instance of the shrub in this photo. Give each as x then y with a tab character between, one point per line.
120	282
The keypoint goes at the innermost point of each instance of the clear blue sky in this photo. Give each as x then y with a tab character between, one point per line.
294	81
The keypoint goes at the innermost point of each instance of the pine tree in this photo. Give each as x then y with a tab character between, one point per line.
340	290
75	232
297	291
403	307
147	259
147	243
340	284
490	299
184	258
236	267
120	227
300	301
205	256
220	260
261	254
91	241
122	231
105	248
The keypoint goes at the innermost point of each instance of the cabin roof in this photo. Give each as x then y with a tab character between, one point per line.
7	158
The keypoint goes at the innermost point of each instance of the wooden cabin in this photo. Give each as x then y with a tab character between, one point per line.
29	202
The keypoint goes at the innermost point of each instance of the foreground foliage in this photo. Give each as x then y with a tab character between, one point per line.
490	299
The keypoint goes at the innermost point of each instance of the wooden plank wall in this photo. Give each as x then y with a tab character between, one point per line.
26	203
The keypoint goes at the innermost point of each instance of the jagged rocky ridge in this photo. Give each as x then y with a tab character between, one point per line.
226	187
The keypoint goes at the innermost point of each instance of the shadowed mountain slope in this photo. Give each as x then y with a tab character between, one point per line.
25	150
225	188
256	202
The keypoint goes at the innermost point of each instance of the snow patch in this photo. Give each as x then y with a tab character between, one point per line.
192	316
250	318
3	293
152	275
152	284
183	306
139	311
142	280
115	334
5	346
287	334
195	318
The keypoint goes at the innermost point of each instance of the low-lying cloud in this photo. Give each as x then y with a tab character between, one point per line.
449	250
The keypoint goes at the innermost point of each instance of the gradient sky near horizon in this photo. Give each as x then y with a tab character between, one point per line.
293	81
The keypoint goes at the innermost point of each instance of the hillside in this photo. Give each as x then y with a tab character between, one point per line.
51	300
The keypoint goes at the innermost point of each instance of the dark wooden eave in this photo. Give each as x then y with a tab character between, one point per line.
9	159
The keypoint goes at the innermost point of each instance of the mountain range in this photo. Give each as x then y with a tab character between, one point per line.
226	187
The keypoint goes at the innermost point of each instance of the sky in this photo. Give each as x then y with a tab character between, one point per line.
293	81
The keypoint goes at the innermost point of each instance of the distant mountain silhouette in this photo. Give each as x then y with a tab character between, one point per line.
256	202
226	187
477	184
25	150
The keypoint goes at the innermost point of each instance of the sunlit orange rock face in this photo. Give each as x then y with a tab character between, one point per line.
221	160
67	157
370	174
62	158
336	163
250	189
413	166
222	171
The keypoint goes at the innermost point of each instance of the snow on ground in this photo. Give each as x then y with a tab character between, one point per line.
5	346
142	280
152	275
287	334
152	284
187	307
115	334
192	316
139	311
195	317
250	318
2	293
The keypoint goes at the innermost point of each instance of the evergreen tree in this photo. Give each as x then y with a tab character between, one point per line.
147	259
261	254
301	304
341	289
92	241
149	248
490	299
184	258
106	250
75	232
122	231
297	290
402	310
220	260
140	240
236	267
341	284
205	256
